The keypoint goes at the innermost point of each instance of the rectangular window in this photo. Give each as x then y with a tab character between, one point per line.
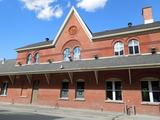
150	91
4	87
80	89
113	90
64	89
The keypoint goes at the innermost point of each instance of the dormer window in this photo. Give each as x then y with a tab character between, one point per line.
77	53
119	48
66	54
36	58
133	47
29	59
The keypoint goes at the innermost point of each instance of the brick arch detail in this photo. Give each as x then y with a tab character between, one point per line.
71	44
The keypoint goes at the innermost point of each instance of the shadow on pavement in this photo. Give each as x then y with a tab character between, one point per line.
2	111
21	116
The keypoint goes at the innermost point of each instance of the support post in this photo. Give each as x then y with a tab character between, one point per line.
12	78
47	76
130	76
96	76
71	76
29	77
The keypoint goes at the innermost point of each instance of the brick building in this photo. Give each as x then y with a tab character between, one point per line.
115	70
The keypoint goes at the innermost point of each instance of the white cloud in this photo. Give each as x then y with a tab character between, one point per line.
43	8
46	9
91	5
68	4
58	12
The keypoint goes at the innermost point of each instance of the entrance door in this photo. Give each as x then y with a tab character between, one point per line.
35	92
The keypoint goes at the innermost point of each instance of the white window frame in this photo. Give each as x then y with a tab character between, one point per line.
29	59
68	55
77	56
5	90
133	46
61	97
37	59
149	80
113	80
77	98
119	46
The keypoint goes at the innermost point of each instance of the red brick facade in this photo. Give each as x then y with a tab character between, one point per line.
94	94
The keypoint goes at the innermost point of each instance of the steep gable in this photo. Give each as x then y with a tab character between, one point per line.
73	13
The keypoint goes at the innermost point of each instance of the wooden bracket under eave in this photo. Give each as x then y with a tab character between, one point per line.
130	76
12	78
71	76
47	76
96	76
29	78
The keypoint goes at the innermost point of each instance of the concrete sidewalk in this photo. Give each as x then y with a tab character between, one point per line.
70	114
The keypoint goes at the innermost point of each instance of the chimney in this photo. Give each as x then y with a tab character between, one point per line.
47	39
147	14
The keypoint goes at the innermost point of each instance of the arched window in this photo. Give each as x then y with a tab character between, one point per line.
29	59
119	48
36	58
66	54
133	47
77	53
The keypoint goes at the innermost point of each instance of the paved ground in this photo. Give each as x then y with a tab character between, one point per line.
22	112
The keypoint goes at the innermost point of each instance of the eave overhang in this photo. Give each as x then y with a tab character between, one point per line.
114	63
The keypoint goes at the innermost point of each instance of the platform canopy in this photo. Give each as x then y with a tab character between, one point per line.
130	62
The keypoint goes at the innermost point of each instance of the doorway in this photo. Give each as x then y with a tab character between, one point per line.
35	89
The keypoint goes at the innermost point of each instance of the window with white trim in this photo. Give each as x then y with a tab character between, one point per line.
77	53
119	48
113	90
80	89
36	58
133	46
64	89
150	91
29	59
4	88
67	54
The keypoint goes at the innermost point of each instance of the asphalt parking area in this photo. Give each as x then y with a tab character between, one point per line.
24	112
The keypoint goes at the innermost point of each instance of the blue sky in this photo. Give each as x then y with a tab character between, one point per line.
25	22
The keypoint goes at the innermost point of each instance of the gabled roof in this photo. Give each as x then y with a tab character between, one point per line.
36	45
118	63
48	44
94	36
127	30
73	11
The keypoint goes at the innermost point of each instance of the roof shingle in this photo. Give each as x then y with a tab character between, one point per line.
124	62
